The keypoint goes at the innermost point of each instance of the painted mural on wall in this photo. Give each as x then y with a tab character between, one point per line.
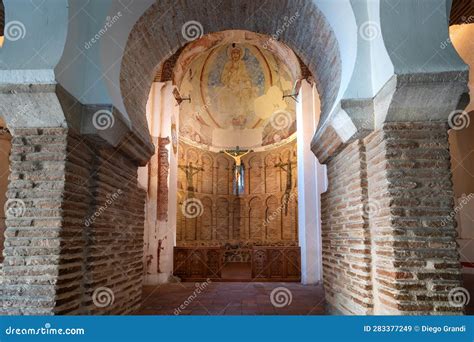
237	90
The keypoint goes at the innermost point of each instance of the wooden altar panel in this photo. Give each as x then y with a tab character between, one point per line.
214	263
268	263
198	263
180	262
276	263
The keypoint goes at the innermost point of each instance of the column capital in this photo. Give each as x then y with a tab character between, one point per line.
417	97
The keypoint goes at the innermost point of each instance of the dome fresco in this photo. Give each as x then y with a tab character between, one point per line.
236	84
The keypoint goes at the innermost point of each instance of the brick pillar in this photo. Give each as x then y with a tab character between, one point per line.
388	242
415	256
32	238
345	233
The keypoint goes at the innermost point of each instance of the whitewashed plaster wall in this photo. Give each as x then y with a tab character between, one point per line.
462	147
162	111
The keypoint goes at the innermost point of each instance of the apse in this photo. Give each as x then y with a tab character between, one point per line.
238	89
237	161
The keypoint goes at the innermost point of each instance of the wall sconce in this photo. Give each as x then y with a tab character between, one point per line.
295	91
179	98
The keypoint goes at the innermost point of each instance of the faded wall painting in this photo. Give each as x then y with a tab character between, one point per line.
236	91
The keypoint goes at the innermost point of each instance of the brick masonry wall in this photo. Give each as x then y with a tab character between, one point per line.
388	245
416	262
326	145
33	235
108	217
78	246
345	233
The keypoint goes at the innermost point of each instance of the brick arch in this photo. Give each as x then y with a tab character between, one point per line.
157	35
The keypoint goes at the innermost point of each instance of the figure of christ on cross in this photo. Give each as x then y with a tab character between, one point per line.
238	169
288	168
190	172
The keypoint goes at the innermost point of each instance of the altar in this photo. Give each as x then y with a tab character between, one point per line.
265	263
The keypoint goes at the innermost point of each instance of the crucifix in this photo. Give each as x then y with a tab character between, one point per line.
238	169
288	168
190	172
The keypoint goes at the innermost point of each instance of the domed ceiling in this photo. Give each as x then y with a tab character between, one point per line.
236	81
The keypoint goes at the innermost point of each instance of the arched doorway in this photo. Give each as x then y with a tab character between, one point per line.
234	233
366	266
301	26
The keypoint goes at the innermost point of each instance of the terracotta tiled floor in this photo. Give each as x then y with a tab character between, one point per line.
231	299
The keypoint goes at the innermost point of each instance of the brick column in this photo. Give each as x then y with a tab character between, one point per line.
388	243
415	256
32	238
345	233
